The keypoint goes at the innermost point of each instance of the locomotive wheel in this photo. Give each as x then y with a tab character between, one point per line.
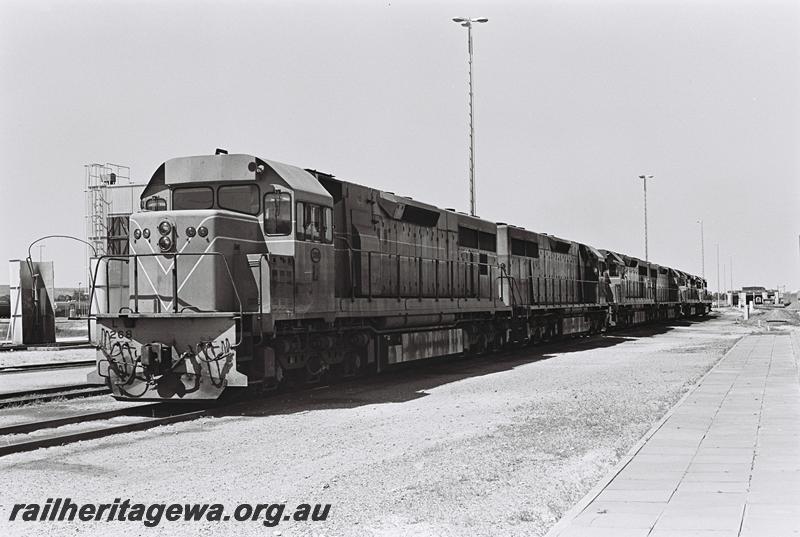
352	364
349	367
477	345
499	341
537	335
482	344
549	333
315	366
277	382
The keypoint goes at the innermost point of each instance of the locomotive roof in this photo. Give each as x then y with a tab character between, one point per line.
300	180
236	167
517	232
593	250
617	258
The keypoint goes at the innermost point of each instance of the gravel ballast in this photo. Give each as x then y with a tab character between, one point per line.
486	446
27	357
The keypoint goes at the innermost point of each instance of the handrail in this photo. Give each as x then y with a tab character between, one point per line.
567	288
174	256
544	290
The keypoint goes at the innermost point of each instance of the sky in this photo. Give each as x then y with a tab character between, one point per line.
573	101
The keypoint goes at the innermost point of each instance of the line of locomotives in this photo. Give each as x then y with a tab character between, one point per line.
247	273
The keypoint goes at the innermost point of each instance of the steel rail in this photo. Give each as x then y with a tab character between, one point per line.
51	441
57	346
49	394
24	368
32	426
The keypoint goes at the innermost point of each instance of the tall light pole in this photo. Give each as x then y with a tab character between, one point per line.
725	281
644	179
467	23
718	285
702	251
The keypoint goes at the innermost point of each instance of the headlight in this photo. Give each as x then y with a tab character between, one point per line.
190	231
146	233
165	243
155	204
164	228
137	234
202	231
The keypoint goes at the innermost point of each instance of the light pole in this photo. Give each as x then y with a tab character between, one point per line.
79	298
644	179
702	251
724	282
718	283
467	22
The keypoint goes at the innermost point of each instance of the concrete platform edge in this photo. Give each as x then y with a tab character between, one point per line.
578	508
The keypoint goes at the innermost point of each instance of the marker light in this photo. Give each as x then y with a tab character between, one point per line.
165	243
190	231
202	231
137	234
164	227
146	233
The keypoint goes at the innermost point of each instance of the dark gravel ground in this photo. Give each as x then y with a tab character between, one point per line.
488	446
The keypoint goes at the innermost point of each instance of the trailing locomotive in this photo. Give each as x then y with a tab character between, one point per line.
246	273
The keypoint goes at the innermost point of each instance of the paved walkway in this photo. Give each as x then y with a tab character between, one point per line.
725	461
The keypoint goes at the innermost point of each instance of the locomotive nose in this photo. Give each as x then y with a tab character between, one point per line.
157	365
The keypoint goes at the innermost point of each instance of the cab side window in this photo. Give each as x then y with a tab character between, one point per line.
314	223
327	225
300	213
278	213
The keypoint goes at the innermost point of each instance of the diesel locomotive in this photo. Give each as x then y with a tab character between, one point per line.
245	273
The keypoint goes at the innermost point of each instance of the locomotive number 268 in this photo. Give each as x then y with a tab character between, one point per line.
128	334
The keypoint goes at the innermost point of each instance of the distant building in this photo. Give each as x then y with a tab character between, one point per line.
757	295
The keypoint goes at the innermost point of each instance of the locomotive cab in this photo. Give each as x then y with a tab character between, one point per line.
298	230
224	246
264	211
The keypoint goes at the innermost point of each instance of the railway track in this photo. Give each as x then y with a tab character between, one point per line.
25	368
41	434
61	345
44	395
